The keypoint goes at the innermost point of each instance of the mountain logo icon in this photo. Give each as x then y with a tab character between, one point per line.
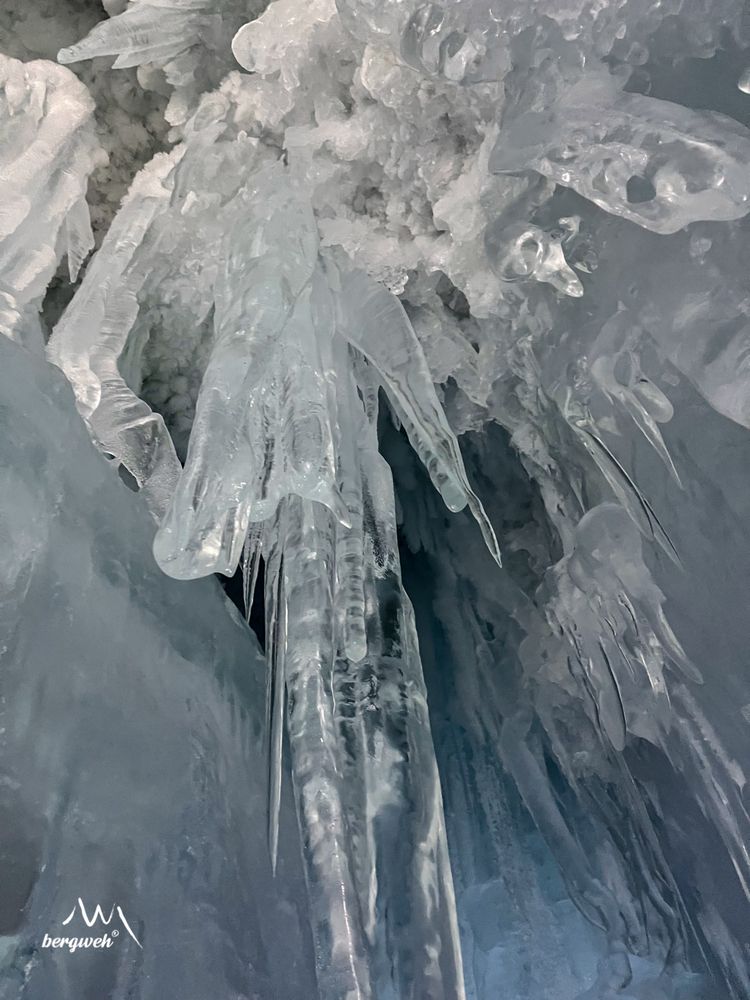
98	915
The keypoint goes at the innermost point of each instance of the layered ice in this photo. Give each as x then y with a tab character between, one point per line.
495	251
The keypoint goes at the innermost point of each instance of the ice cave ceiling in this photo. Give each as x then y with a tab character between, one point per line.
424	327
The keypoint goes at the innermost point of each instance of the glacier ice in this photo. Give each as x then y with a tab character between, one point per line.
430	320
128	751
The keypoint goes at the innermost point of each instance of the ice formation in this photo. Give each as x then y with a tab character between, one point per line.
484	252
129	753
48	151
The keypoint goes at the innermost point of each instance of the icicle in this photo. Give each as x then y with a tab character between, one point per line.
615	367
389	774
79	237
251	556
373	321
308	574
91	339
623	486
135	33
248	387
350	557
276	640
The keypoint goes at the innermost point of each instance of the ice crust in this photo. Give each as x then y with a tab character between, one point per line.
513	226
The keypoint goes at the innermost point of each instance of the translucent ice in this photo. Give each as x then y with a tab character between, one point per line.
655	163
48	148
132	724
187	40
91	346
489	249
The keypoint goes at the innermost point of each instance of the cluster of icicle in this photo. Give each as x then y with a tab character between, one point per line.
283	465
48	148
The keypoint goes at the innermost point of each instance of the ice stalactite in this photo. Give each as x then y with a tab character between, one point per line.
90	344
284	437
305	460
48	149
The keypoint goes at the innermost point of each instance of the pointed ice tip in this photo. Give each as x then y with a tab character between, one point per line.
485	526
67	55
272	834
356	650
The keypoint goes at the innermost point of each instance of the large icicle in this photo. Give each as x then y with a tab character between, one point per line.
308	587
262	428
285	437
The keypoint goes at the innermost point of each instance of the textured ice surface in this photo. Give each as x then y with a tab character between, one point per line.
183	44
653	162
47	151
129	123
514	236
131	731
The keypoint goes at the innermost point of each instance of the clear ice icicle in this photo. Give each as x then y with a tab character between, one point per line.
91	341
255	435
308	582
373	321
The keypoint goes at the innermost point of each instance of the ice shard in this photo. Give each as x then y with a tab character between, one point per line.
185	43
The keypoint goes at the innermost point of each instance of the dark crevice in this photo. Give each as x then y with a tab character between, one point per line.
235	591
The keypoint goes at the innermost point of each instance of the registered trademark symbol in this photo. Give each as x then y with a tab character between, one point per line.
115	933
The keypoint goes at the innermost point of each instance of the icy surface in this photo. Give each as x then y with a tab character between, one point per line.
129	123
524	221
131	729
